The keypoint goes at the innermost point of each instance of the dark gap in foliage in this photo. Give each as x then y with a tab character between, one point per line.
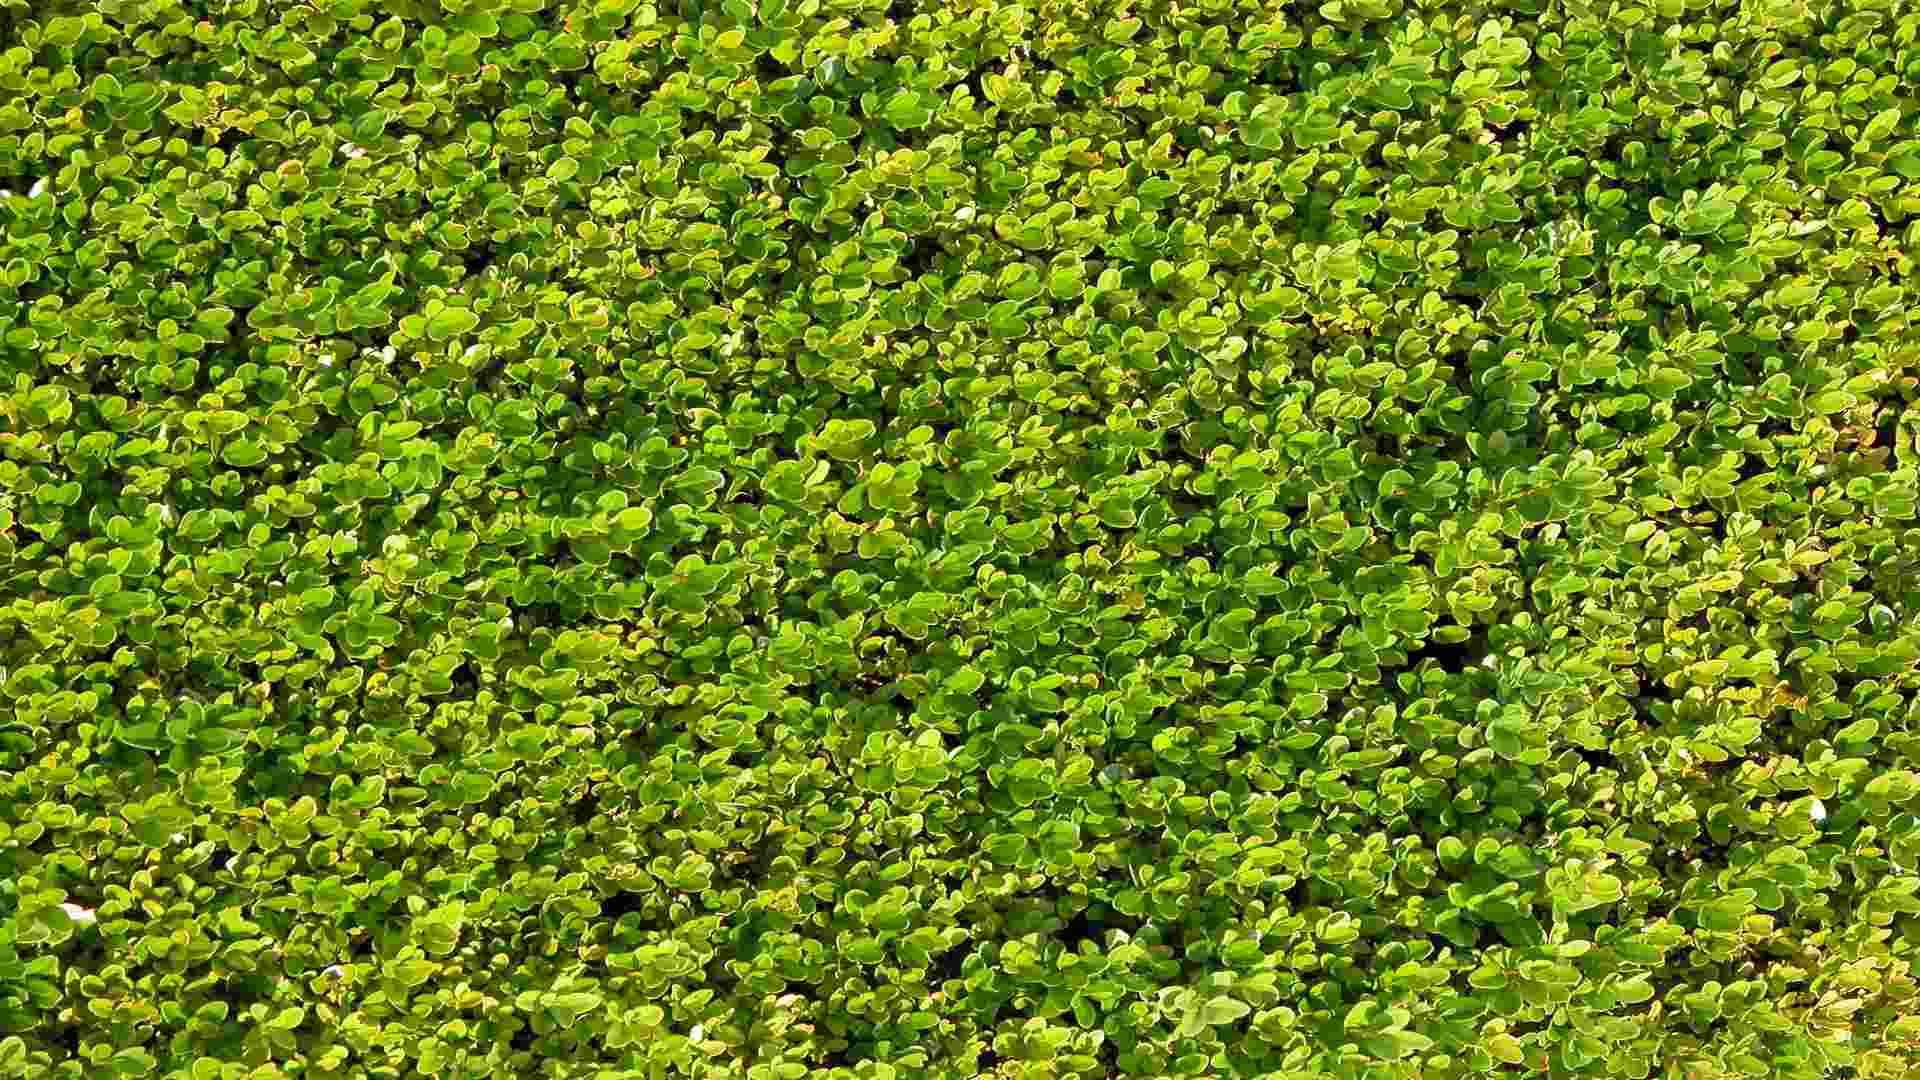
477	257
465	684
1064	97
988	1060
1452	657
1191	137
719	976
1752	467
270	777
20	183
31	293
975	82
1682	969
919	256
1231	206
1846	685
950	965
1283	73
1715	854
1698	856
588	804
1595	759
570	81
1653	690
764	852
67	1037
1080	927
1514	129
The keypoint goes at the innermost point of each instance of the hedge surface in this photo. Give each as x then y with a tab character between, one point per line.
774	538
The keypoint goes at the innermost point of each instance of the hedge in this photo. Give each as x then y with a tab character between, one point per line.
758	539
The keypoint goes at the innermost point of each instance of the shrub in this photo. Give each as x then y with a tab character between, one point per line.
767	538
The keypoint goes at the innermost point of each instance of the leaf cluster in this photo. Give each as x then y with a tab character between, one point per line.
749	539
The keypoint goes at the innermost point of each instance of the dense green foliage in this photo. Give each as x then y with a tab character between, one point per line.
773	538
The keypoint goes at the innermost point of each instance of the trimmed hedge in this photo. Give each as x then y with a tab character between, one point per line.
769	538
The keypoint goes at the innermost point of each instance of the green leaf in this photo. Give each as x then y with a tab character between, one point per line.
1009	849
412	973
1882	125
907	110
371	125
450	323
243	453
1224	1010
1634	990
